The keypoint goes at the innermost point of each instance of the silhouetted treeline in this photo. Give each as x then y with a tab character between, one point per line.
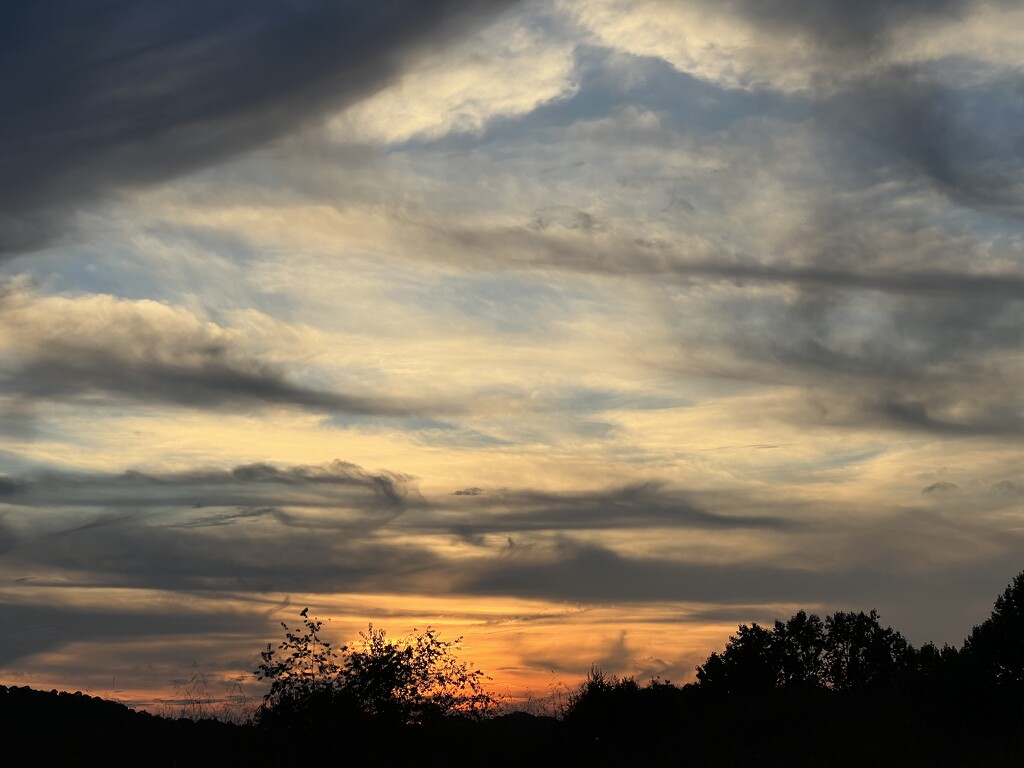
840	691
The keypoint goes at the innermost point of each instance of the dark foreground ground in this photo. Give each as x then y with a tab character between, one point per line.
670	726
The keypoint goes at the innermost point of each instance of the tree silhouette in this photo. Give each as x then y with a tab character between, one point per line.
410	680
846	651
997	644
860	653
750	663
800	643
302	666
413	680
304	671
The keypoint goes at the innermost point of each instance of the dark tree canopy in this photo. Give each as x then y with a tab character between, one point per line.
997	644
750	662
845	651
860	653
799	644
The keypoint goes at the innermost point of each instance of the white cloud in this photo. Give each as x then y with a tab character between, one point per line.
705	41
713	42
508	69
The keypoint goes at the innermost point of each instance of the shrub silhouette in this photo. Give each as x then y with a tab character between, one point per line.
304	673
414	679
410	680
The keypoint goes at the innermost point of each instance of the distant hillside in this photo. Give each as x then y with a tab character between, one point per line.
63	729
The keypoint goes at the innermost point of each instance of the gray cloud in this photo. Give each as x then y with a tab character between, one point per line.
843	24
641	506
527	247
967	141
326	528
589	573
937	602
103	350
131	552
108	95
256	527
338	484
932	357
211	379
338	528
26	629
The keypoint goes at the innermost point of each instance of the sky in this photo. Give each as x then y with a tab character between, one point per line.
585	330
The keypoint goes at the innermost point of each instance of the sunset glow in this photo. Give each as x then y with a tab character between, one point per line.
584	330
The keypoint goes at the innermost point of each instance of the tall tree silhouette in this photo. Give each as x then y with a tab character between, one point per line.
750	663
800	643
860	653
997	644
846	651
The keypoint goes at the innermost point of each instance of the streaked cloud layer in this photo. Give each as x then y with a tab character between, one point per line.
584	328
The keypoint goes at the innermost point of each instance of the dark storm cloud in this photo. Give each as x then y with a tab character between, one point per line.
99	95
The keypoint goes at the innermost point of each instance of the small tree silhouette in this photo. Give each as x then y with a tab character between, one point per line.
303	669
414	679
409	680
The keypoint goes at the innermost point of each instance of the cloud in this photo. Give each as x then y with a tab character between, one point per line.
107	95
582	572
840	24
798	45
313	529
257	487
104	350
33	629
636	507
507	70
967	140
